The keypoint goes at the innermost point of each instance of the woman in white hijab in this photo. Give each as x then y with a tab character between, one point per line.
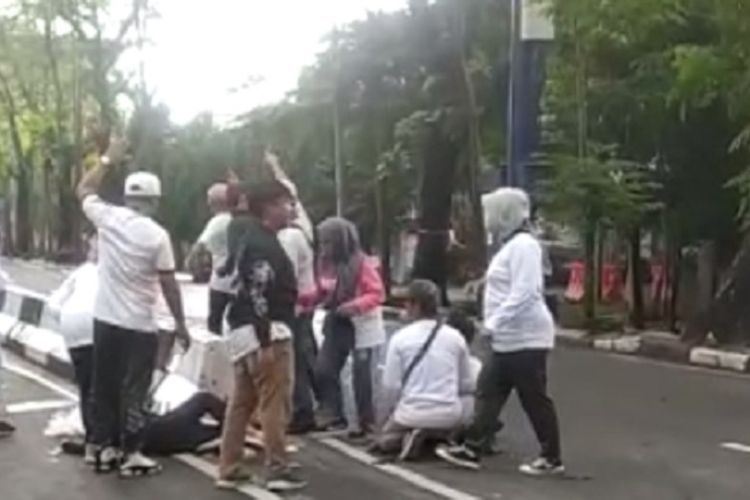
522	332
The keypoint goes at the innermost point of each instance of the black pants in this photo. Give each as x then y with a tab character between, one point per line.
83	368
338	343
305	351
124	363
526	372
181	430
217	304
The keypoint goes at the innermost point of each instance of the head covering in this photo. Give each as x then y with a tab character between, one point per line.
506	211
342	257
217	196
142	185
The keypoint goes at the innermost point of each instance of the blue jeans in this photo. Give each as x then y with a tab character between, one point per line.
338	344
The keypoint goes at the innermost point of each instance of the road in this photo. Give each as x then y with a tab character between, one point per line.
632	429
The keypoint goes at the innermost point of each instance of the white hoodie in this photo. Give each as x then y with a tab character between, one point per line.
515	314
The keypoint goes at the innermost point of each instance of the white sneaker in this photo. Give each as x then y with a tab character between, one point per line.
106	459
542	467
137	464
89	454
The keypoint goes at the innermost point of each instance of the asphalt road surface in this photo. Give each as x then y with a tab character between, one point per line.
632	429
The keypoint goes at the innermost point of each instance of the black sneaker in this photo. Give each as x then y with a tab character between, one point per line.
459	455
299	429
286	479
6	429
73	447
542	467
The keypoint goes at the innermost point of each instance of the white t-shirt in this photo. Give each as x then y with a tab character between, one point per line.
515	314
431	398
214	238
74	301
300	252
243	340
133	249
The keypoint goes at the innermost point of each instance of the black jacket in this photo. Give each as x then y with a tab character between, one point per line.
264	278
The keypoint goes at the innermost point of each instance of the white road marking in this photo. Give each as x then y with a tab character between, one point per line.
35	377
742	448
33	406
411	477
194	462
209	469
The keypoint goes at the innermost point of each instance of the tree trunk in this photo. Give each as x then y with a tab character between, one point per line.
636	281
384	232
727	315
590	295
436	191
24	230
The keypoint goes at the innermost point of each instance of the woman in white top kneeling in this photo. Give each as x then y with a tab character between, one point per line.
427	376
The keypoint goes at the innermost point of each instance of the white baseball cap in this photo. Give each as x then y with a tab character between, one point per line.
143	184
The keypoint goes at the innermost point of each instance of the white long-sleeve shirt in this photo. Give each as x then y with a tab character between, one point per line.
74	302
431	398
515	314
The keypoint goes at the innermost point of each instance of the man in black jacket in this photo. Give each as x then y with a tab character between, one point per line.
260	318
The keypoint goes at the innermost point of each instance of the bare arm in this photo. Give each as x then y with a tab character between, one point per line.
197	249
92	179
173	297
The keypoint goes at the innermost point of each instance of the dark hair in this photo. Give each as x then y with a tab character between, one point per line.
261	194
426	295
462	322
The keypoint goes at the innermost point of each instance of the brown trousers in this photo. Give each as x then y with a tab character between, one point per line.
267	391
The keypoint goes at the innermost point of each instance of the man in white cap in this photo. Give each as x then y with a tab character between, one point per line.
213	240
135	261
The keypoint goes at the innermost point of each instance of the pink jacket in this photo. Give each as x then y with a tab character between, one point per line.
370	289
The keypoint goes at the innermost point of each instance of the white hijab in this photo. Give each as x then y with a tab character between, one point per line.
506	210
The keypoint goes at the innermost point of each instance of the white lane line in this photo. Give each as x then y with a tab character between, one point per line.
209	469
35	377
407	475
34	406
742	448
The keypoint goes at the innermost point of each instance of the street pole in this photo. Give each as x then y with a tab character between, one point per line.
338	167
532	32
511	174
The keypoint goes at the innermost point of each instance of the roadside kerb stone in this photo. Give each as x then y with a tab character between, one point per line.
714	358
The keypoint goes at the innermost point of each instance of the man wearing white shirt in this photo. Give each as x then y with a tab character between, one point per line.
135	262
522	332
213	239
427	371
73	303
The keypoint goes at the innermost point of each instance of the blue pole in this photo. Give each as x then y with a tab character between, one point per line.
531	35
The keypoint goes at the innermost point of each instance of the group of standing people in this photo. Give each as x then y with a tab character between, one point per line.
270	271
279	271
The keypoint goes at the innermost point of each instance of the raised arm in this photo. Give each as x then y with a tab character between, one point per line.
92	180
